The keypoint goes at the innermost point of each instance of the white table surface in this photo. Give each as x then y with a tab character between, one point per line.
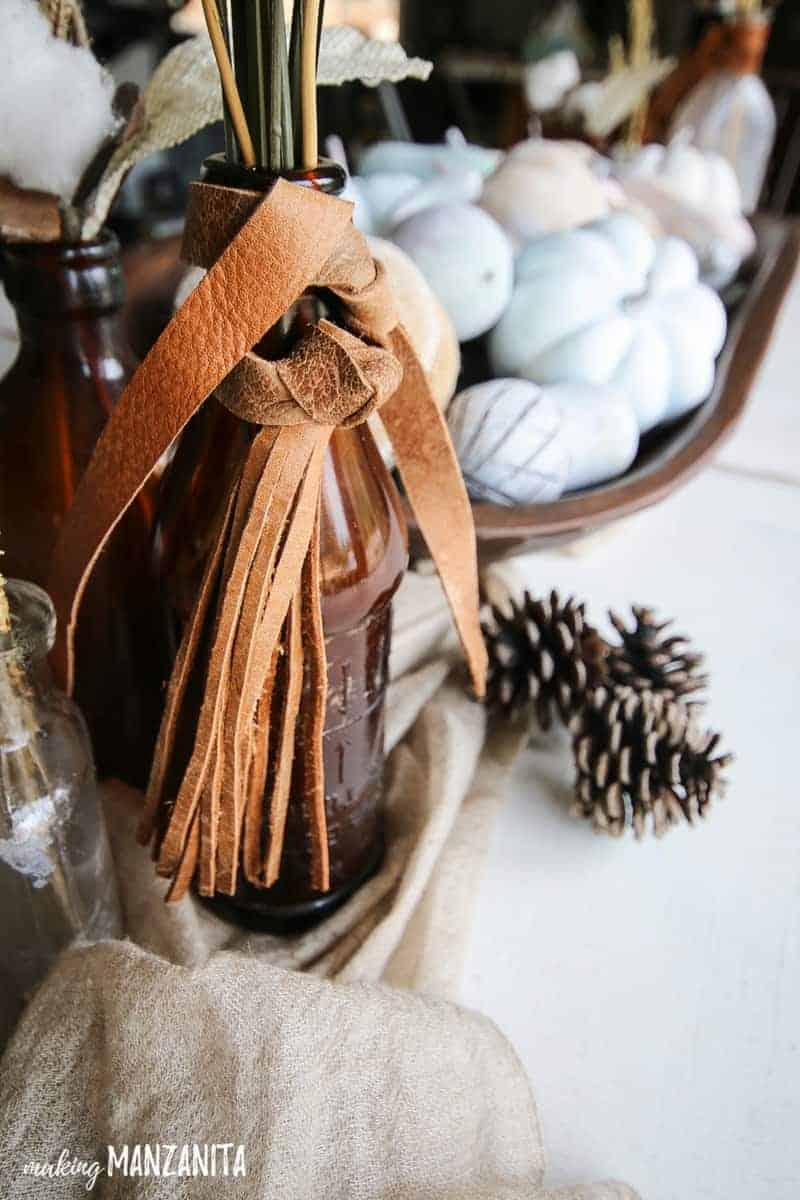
653	990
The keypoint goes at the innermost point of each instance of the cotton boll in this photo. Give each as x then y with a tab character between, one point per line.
467	260
548	80
56	103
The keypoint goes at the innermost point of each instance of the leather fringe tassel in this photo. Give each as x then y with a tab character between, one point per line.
251	666
255	626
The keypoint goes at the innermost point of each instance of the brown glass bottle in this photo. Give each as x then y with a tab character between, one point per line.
364	553
72	367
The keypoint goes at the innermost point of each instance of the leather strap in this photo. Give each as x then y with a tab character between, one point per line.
284	243
260	592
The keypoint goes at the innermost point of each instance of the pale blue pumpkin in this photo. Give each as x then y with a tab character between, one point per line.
607	306
466	258
426	162
386	199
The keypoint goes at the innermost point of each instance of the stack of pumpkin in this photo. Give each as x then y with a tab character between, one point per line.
590	284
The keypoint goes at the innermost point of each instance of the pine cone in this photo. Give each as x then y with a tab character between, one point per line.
542	655
647	660
642	753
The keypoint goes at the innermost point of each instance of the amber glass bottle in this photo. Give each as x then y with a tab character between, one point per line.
363	556
72	367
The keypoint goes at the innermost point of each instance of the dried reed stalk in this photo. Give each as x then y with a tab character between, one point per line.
308	81
66	20
270	90
641	52
230	91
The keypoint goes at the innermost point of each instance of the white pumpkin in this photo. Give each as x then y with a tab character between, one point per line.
506	435
544	185
467	260
518	443
694	194
608	306
599	430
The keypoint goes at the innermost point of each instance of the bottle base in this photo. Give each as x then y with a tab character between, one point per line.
285	920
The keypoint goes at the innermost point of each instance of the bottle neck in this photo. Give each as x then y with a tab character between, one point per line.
61	287
27	630
328	177
731	41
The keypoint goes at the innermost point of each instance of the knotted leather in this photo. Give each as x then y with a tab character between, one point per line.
256	630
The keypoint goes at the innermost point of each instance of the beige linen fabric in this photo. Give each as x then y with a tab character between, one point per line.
335	1090
336	1084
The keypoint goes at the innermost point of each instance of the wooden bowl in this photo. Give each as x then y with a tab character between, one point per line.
669	455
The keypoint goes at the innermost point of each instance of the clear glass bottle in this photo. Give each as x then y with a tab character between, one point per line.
57	880
364	552
730	110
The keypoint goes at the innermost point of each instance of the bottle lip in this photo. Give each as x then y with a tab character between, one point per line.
105	247
33	622
327	176
52	279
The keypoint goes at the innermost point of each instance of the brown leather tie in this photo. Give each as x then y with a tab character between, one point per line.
260	591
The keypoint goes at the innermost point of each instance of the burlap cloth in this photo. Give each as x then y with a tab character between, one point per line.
336	1058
